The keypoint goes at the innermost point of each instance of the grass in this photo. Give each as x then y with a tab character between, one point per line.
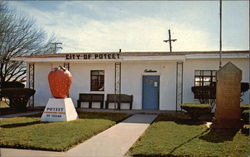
176	136
29	132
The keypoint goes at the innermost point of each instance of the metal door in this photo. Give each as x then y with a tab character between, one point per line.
150	93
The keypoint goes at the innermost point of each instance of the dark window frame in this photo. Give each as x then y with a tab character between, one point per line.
204	77
97	80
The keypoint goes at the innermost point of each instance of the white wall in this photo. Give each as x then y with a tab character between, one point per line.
43	93
131	81
191	65
81	79
132	73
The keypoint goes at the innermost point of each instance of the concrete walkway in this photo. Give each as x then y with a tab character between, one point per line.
113	142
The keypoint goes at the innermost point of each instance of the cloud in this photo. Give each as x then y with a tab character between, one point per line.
83	31
135	34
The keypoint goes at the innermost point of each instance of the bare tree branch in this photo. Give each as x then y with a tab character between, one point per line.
19	36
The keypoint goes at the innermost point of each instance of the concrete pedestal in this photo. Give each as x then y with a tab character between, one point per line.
59	110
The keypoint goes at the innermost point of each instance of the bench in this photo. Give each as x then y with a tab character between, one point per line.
119	98
89	97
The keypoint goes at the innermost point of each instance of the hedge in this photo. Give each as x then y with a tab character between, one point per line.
244	107
12	85
196	110
245	116
18	96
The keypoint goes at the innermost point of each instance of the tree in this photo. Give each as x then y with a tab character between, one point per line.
19	36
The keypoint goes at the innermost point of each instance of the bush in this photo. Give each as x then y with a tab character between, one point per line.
244	86
245	116
18	97
204	93
196	110
12	85
244	107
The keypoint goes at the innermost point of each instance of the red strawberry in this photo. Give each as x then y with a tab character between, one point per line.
59	82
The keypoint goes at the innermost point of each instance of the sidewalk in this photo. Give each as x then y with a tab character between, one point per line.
20	114
113	142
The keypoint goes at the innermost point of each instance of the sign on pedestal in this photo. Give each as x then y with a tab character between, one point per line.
59	110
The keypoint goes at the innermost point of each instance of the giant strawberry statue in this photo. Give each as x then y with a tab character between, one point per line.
59	82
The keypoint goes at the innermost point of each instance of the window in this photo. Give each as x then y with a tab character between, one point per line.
97	80
204	77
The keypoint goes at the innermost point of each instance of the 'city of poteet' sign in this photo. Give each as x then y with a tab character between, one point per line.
89	56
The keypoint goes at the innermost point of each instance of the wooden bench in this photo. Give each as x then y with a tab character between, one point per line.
119	98
89	97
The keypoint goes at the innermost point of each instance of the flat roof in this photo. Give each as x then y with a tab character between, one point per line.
140	53
134	56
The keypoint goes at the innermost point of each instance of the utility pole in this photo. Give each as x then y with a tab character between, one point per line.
249	62
220	33
55	46
169	40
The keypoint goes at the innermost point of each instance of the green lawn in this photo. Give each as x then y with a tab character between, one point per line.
29	132
175	136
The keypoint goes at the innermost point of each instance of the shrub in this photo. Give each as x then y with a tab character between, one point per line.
12	85
196	110
244	107
245	116
204	93
18	97
244	86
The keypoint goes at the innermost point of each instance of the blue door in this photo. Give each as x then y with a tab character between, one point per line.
150	93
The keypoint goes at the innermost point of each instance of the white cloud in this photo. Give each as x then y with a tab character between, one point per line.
143	34
79	33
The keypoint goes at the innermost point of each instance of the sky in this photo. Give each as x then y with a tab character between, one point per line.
134	26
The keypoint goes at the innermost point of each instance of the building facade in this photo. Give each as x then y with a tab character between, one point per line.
157	80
